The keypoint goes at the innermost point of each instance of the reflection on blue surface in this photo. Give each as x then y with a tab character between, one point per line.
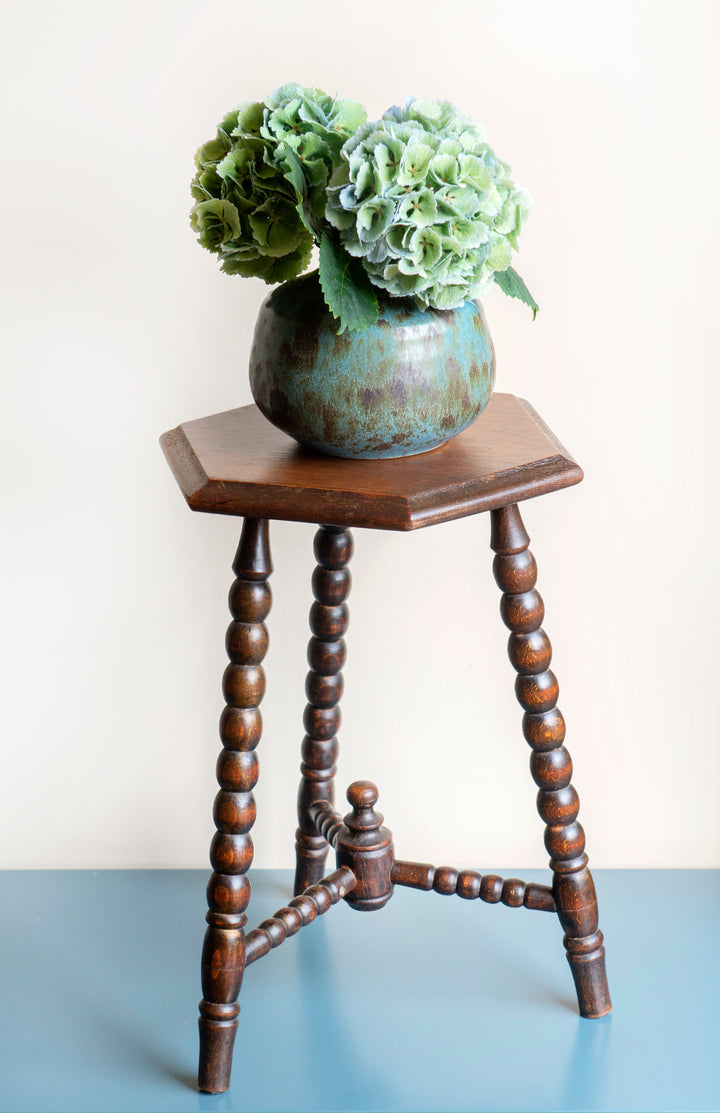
433	1004
585	1081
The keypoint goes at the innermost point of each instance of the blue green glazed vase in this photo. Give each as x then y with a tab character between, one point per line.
405	385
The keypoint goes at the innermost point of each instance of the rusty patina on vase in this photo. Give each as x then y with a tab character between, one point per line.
405	385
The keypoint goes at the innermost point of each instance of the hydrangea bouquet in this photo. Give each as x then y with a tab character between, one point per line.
414	205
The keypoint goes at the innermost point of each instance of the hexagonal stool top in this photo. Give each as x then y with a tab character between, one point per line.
238	463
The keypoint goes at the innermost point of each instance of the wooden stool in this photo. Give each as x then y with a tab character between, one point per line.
237	463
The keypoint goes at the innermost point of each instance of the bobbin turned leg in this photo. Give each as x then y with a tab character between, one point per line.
323	687
536	688
231	850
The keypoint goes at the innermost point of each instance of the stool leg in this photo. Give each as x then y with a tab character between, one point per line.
323	687
231	850
536	688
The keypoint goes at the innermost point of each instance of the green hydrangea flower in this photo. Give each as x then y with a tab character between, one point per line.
425	204
245	208
260	184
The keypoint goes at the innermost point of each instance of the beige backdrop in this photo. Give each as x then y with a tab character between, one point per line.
118	327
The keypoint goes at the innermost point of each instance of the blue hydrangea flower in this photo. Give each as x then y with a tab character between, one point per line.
426	205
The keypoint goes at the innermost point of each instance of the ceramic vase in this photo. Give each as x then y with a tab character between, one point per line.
405	385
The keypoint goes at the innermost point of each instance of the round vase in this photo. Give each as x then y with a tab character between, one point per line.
405	385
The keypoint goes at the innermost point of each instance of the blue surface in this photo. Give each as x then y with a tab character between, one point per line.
433	1003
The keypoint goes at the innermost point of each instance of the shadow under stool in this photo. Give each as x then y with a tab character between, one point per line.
237	463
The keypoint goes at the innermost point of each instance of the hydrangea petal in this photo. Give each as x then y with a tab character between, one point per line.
506	219
212	152
396	239
426	247
387	159
458	200
449	296
473	171
348	116
339	217
444	169
403	284
374	218
378	251
491	202
450	146
248	118
500	255
418	208
414	164
365	182
215	221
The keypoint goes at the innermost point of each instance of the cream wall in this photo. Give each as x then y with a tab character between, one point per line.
118	327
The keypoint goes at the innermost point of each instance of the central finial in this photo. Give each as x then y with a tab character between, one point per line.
362	797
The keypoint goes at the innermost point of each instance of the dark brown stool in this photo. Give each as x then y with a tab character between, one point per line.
237	463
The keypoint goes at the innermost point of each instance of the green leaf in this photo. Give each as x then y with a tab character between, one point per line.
348	293
512	284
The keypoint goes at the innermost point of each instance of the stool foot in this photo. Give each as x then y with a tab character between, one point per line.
323	687
536	688
217	1038
590	977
